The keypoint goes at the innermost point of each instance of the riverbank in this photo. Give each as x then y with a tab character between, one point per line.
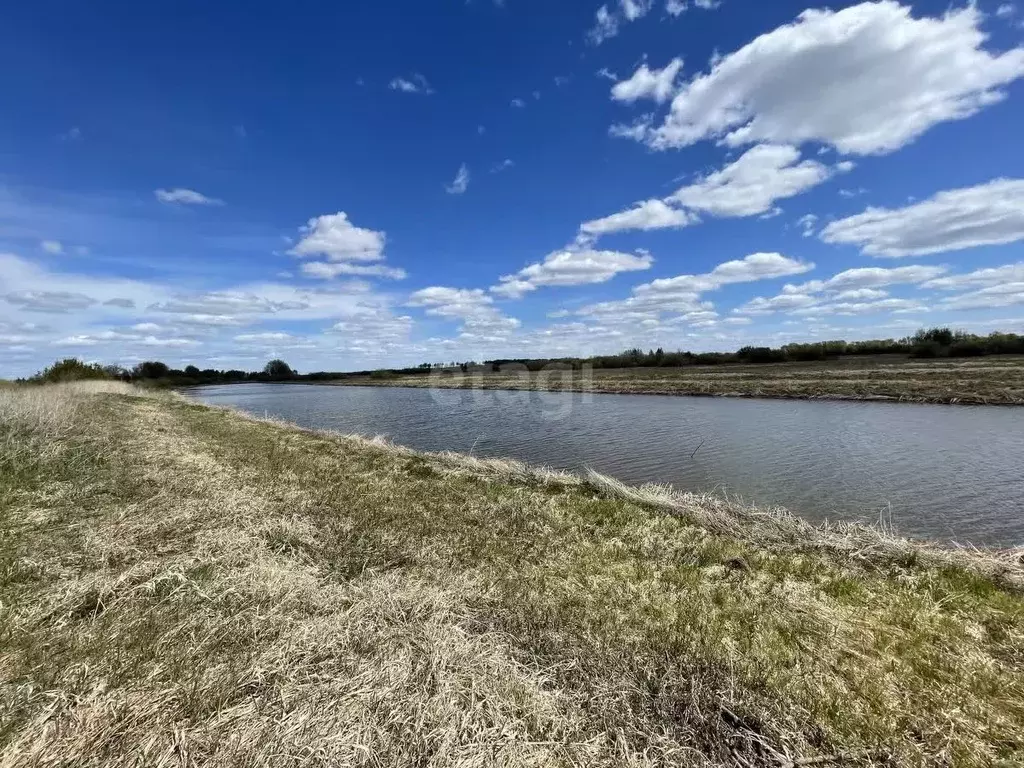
977	381
181	584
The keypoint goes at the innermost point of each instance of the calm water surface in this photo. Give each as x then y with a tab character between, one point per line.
931	470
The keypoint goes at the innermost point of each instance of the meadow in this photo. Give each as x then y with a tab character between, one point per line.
182	585
996	380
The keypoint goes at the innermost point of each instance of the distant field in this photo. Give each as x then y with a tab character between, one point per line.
987	380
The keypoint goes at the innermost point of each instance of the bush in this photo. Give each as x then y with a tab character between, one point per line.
71	369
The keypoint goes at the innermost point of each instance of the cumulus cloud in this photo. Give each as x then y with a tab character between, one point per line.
646	215
829	77
334	236
180	196
504	165
571	267
987	214
53	247
345	246
460	183
749	186
675	7
753	183
657	84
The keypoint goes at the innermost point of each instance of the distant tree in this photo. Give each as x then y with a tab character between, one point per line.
278	369
191	370
942	336
151	369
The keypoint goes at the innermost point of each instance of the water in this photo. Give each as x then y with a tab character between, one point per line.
936	471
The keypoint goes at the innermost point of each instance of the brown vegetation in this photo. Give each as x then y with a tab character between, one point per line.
180	585
981	381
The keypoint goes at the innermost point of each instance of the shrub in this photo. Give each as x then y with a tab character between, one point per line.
71	369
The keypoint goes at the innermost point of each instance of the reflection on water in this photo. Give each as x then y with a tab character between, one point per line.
931	470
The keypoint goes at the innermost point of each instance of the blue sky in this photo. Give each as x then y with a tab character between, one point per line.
364	184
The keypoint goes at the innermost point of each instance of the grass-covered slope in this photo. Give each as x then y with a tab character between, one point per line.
184	586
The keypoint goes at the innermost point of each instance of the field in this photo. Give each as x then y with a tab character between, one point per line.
185	586
987	380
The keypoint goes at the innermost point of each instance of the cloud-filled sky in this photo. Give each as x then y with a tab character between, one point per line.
380	184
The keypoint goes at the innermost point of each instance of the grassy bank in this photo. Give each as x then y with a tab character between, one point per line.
992	380
185	586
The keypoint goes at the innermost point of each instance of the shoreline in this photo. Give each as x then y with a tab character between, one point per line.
206	582
979	381
894	399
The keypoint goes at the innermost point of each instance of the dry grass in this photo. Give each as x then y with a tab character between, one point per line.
990	380
183	586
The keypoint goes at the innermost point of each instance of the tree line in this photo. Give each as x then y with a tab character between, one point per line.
926	343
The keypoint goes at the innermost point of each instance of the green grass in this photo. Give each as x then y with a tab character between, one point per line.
183	585
990	380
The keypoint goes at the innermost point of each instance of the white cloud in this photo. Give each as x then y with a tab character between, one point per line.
49	301
53	247
452	302
1002	295
675	7
806	224
339	240
862	307
980	278
635	9
656	84
518	103
502	166
268	336
329	270
1006	10
417	83
179	196
683	293
874	277
571	267
606	25
647	215
862	294
480	318
753	183
858	285
460	183
607	74
987	214
829	77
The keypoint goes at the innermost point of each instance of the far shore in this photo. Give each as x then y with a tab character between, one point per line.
977	381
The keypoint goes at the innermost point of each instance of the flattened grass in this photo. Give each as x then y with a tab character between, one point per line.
182	585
